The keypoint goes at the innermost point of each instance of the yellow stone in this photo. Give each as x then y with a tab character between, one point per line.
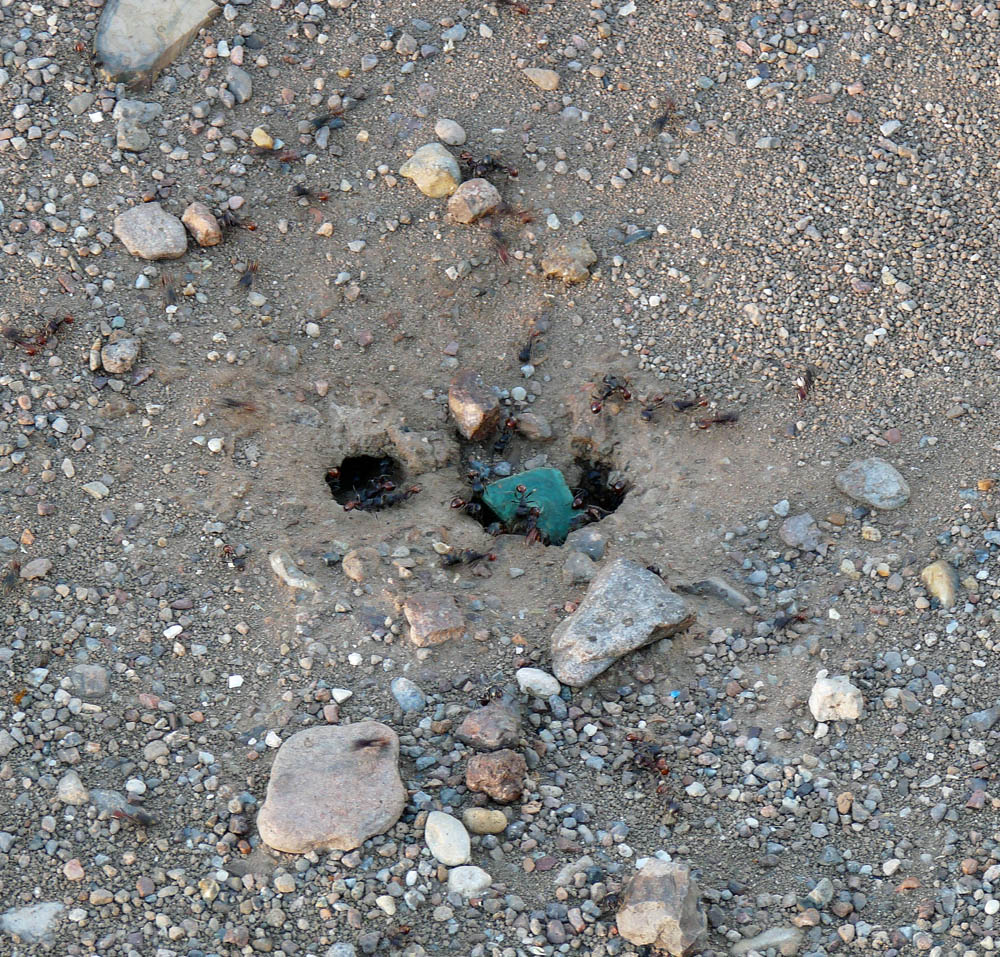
262	138
941	582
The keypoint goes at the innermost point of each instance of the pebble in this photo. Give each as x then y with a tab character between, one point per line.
499	774
472	200
120	355
149	232
433	170
71	790
202	224
434	617
449	132
468	881
874	482
569	260
408	695
482	820
661	907
835	699
447	839
547	80
474	406
285	568
941	581
536	682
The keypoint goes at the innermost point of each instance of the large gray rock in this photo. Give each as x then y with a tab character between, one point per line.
626	607
33	923
332	788
137	39
874	482
785	940
661	907
150	232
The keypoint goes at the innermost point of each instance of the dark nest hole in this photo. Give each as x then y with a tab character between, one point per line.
598	491
368	482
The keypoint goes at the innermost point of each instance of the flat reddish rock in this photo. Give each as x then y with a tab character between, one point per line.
332	788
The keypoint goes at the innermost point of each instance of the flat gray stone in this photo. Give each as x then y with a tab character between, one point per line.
332	788
626	607
874	482
785	940
89	680
137	39
150	232
34	923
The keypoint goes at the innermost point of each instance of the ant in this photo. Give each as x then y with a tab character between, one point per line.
10	577
371	502
488	164
783	621
500	244
669	116
525	354
169	292
524	216
469	507
518	6
363	744
506	434
242	404
51	328
246	280
721	418
330	120
466	557
229	220
300	189
18	338
804	383
648	756
138	817
609	386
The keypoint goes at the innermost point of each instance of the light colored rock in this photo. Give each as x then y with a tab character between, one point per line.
434	617
835	699
284	567
468	881
7	742
71	790
260	137
342	950
801	531
785	940
447	839
433	170
547	80
661	907
137	39
569	260
626	607
874	482
474	406
537	682
202	224
941	581
119	356
332	788
484	820
89	680
361	564
150	232
449	132
33	923
472	200
36	568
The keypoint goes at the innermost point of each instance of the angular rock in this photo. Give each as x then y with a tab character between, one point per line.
137	39
589	540
874	482
661	908
626	607
342	950
835	699
7	742
547	80
484	820
36	568
491	728
716	588
941	581
569	260
801	531
119	356
132	137
361	564
578	569
260	137
202	224
474	406
89	681
473	200
283	565
433	170
447	839
468	881
499	774
785	940
434	617
332	788
71	790
150	232
239	83
537	682
33	923
534	427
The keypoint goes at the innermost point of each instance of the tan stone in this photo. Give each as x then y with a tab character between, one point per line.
474	406
202	224
434	617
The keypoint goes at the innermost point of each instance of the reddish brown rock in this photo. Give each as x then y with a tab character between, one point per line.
496	726
434	617
500	775
202	225
474	406
472	200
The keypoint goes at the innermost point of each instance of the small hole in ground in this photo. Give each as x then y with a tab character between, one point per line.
369	482
599	488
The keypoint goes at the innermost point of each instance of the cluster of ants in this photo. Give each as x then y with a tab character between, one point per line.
377	493
612	385
31	342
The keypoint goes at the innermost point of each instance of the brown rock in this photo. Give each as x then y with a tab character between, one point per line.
472	200
844	801
360	564
475	407
569	260
499	774
202	225
434	617
661	907
496	726
332	787
422	451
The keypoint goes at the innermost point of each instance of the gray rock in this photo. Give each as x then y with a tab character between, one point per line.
716	588
447	839
537	682
981	721
33	923
119	356
283	565
785	940
874	482
136	111
132	137
36	568
468	881
433	170
239	83
626	607
7	742
472	200
80	103
800	531
88	680
71	790
661	907
333	788
342	950
137	39
408	695
578	569
447	131
589	540
149	232
569	260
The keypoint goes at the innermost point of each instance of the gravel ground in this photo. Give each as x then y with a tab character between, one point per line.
772	193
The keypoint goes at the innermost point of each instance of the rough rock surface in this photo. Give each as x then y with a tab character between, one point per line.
499	774
874	482
835	699
661	908
474	406
119	356
434	171
496	726
468	881
202	225
569	260
136	39
473	200
626	607
434	617
785	940
33	923
801	531
333	788
150	232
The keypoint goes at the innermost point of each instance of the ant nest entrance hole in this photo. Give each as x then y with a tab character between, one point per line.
602	487
362	477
